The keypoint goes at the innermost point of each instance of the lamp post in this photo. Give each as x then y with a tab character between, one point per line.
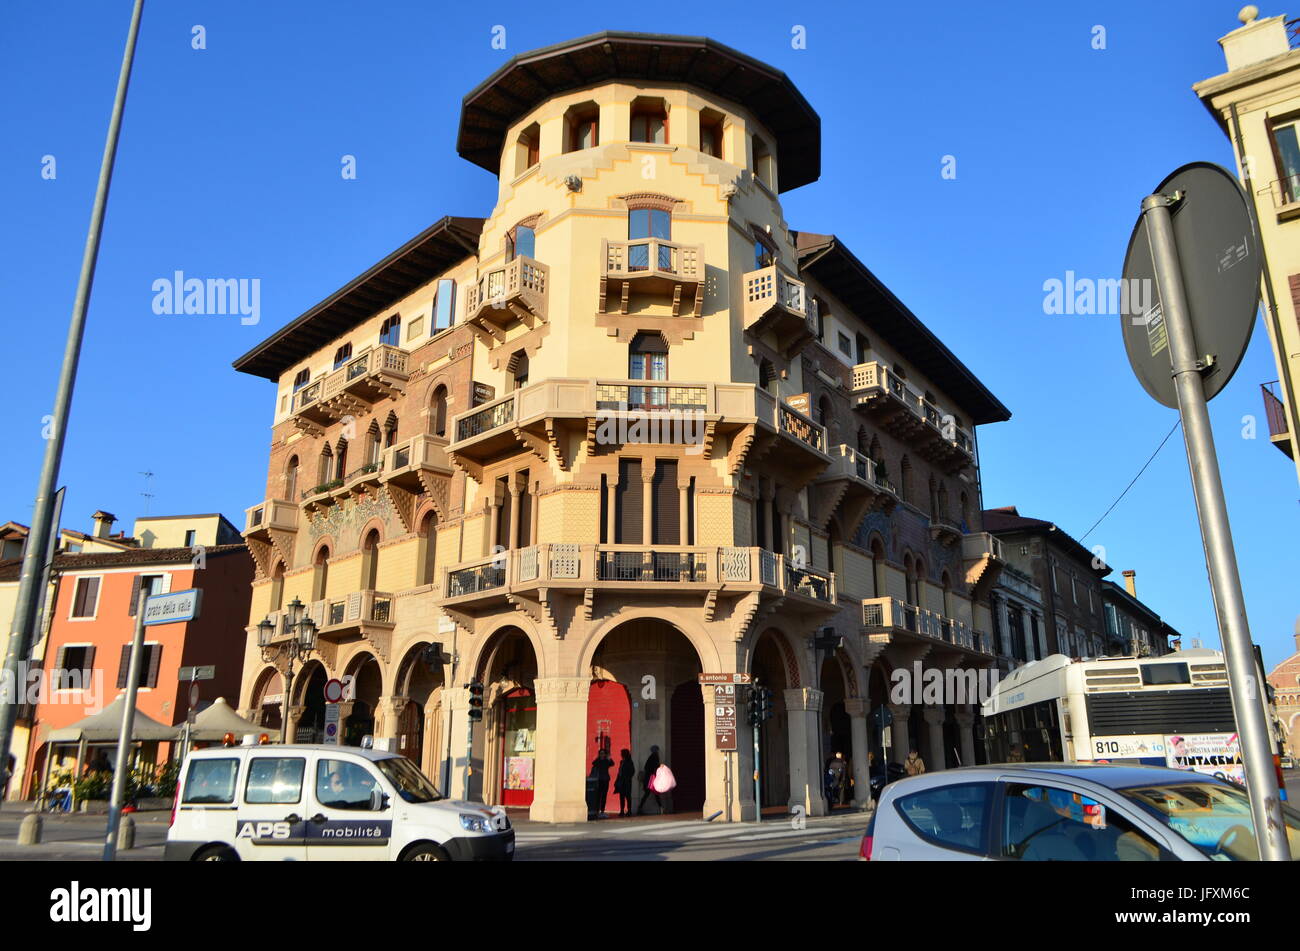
292	638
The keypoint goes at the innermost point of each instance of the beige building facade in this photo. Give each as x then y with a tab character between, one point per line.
628	429
1257	104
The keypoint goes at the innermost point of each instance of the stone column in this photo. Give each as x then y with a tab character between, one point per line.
387	715
803	708
512	530
560	792
534	507
293	715
494	523
611	508
457	700
683	515
857	710
934	719
900	743
966	729
647	503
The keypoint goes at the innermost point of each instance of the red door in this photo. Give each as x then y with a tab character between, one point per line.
518	746
609	727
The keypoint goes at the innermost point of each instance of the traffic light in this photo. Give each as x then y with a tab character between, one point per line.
760	704
475	700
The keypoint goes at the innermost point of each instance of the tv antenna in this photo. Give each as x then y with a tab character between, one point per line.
148	496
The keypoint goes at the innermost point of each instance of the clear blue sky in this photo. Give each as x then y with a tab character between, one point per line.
229	167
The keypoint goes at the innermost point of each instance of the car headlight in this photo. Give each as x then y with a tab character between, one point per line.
475	823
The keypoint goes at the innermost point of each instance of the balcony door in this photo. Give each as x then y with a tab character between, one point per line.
647	359
644	223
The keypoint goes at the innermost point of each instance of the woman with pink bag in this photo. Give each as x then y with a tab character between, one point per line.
658	779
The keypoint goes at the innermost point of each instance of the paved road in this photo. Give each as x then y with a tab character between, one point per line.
79	838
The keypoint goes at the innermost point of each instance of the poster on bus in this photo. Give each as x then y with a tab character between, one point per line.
1215	754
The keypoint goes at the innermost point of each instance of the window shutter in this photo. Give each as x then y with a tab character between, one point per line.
525	517
89	663
629	502
63	655
136	584
164	583
155	660
123	666
666	504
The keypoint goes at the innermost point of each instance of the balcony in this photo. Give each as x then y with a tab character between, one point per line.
553	416
410	464
272	515
652	266
1279	433
376	374
360	481
945	529
484	583
367	615
902	410
890	619
502	295
848	485
777	301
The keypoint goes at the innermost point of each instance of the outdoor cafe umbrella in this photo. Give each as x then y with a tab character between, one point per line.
104	727
211	725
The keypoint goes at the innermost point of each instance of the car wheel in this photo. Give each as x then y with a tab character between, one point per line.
426	852
217	853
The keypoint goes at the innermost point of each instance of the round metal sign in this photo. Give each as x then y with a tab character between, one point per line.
194	694
1220	260
333	690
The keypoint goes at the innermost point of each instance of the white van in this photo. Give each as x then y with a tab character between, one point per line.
312	803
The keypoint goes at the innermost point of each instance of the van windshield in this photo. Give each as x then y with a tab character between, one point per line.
410	783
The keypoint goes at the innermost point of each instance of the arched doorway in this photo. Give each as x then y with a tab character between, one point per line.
311	697
655	668
836	733
769	670
367	683
419	733
609	730
268	700
508	670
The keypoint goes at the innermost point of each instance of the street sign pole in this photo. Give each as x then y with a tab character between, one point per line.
1216	535
124	734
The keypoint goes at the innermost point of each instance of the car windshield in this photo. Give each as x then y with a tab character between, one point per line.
1213	817
411	784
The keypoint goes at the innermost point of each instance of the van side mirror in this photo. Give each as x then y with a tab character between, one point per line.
378	800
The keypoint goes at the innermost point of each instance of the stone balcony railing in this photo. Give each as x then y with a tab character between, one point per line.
375	374
777	301
409	463
489	429
647	567
358	612
901	409
894	616
655	266
516	290
979	545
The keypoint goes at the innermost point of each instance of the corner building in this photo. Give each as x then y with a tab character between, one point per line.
629	428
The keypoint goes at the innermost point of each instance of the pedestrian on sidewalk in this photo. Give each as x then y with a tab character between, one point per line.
623	782
914	765
647	776
600	773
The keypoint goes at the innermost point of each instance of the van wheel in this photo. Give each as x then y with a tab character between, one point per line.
426	852
217	853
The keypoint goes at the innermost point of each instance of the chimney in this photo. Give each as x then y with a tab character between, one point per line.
103	523
1177	643
1256	40
1130	582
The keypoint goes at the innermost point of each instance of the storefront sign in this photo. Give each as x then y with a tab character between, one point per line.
483	393
799	403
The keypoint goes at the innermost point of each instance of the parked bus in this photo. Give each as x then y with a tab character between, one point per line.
1173	710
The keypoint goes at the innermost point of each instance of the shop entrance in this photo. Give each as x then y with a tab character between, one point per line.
687	745
769	670
518	718
609	730
508	669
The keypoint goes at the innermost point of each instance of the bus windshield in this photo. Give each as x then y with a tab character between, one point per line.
1213	817
411	784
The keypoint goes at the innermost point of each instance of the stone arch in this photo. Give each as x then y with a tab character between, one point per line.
793	669
324	541
478	660
679	618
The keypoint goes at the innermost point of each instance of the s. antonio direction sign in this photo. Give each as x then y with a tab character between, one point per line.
1220	263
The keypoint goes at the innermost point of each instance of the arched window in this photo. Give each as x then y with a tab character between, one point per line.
966	520
390	331
878	567
301	378
909	574
647	359
370	560
291	480
521	242
643	224
390	430
862	445
766	374
943	500
824	414
905	479
438	412
373	447
935	511
320	574
945	581
342	355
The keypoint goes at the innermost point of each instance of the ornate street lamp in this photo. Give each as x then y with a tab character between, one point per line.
293	639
